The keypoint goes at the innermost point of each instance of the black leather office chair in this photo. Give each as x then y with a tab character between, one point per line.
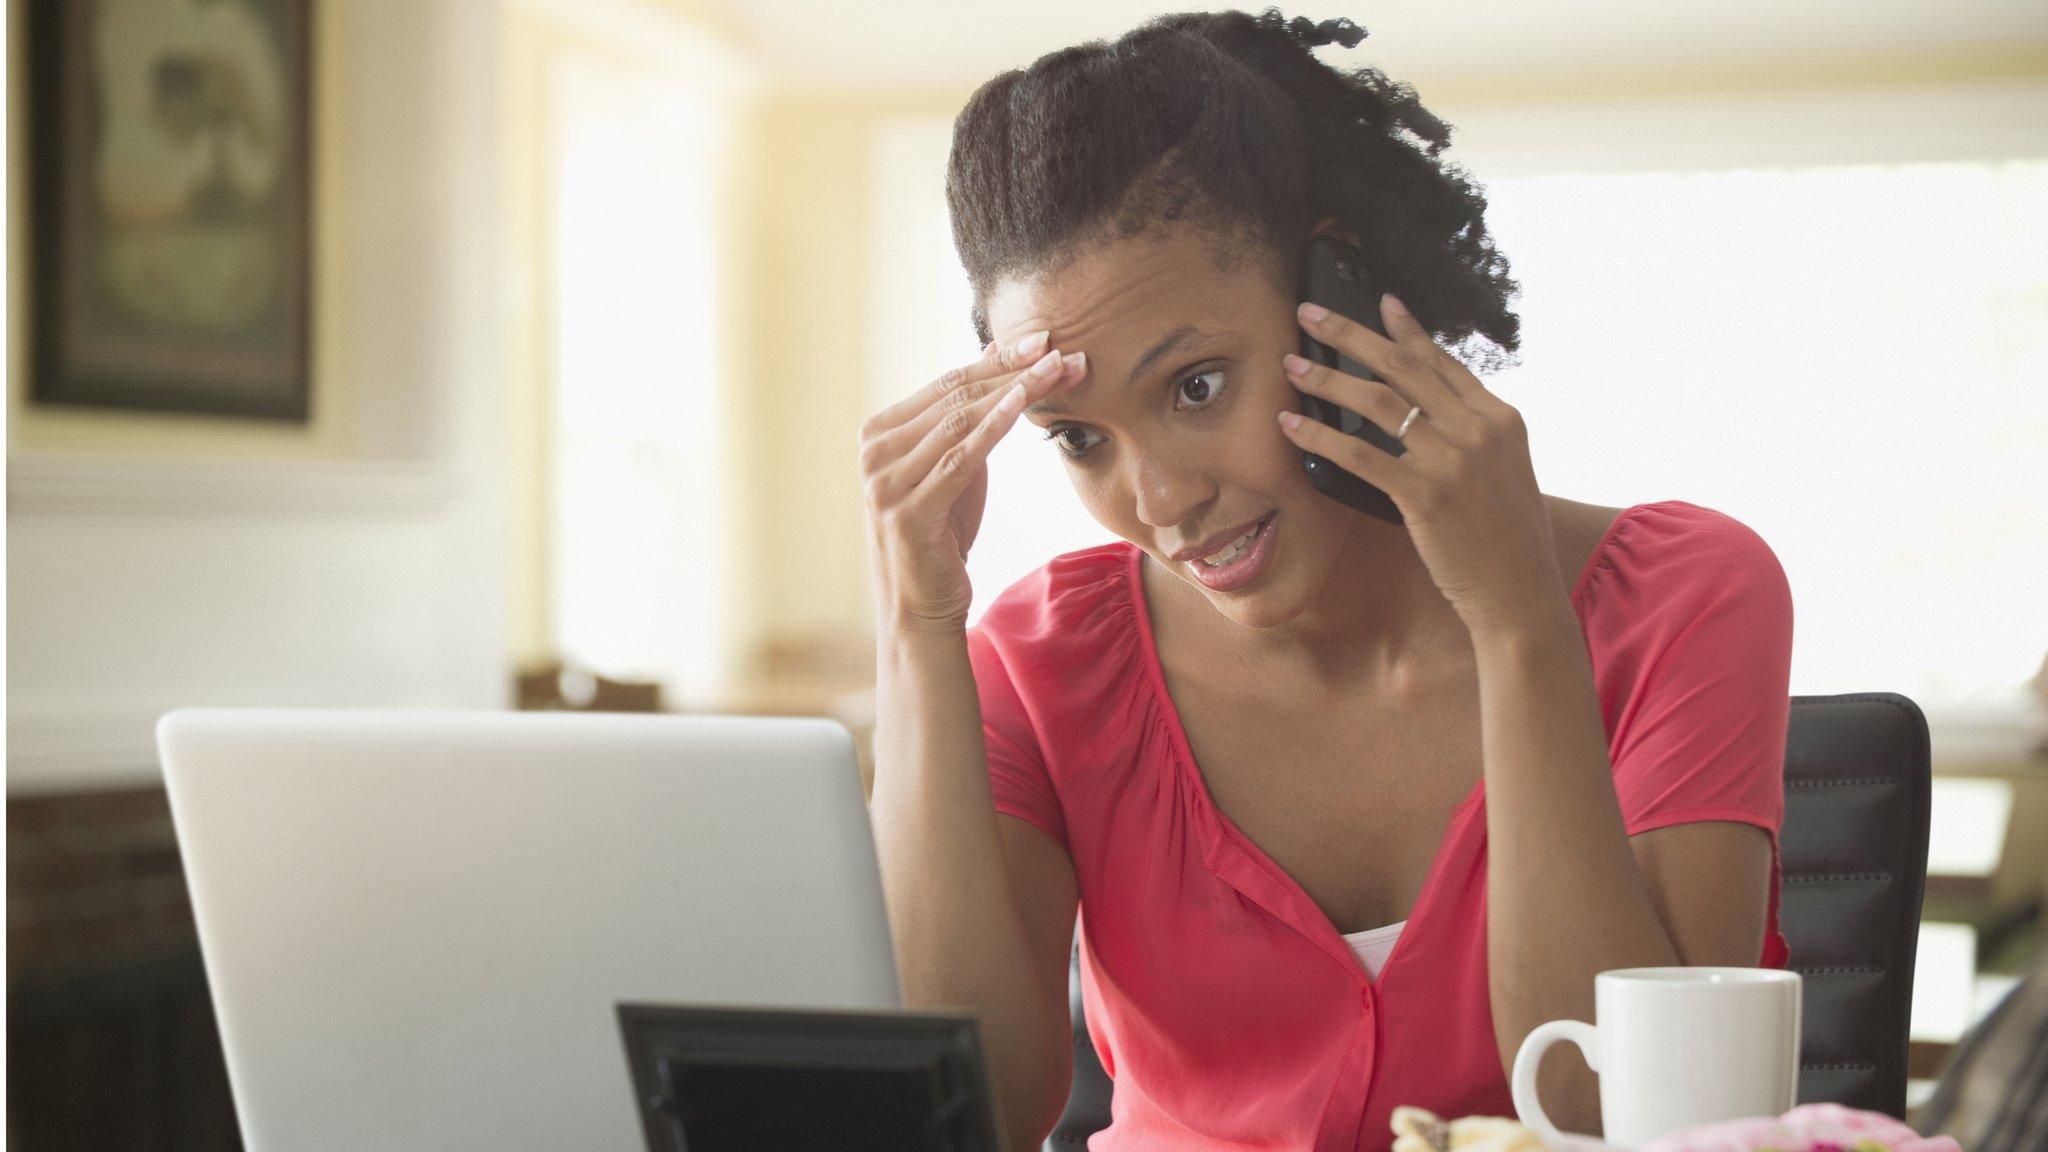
1853	856
1852	868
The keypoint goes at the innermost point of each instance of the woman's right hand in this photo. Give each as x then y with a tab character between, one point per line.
924	469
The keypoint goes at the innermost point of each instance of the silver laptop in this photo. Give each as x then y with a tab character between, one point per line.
416	924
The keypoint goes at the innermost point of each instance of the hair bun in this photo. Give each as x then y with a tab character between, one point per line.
1310	34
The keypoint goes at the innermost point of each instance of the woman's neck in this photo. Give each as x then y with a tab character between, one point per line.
1379	619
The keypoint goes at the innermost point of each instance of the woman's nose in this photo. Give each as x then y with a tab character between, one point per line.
1168	489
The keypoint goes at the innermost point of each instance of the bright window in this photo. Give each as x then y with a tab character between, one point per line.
639	474
1847	359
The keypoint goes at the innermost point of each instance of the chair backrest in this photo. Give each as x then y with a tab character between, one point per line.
1852	868
1088	1100
1853	858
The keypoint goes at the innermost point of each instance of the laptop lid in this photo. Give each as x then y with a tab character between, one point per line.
416	924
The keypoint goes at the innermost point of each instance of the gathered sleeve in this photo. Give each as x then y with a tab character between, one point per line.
1016	767
1702	732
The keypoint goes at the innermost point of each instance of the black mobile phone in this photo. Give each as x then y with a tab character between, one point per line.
1334	275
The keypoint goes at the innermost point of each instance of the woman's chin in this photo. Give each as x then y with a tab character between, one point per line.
1263	605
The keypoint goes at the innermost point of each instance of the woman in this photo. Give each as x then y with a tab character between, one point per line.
1341	809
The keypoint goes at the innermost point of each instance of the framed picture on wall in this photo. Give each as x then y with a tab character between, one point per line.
170	163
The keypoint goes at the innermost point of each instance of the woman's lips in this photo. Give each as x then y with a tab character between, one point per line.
1247	567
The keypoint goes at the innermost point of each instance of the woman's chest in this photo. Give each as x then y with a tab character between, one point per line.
1351	801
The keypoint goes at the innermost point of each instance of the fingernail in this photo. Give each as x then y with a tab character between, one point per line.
1075	363
1033	344
1392	304
1295	364
1290	420
1047	364
1314	313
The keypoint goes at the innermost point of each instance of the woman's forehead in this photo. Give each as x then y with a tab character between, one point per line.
1127	292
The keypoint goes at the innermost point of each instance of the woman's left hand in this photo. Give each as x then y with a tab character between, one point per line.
1465	486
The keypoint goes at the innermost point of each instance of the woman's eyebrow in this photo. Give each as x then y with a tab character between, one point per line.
1180	336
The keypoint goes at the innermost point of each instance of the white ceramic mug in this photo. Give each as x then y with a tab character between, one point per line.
1676	1047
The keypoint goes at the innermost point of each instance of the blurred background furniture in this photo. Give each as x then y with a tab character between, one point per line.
111	1040
1987	874
1993	1092
560	686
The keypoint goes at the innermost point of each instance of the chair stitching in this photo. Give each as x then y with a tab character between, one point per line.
1836	878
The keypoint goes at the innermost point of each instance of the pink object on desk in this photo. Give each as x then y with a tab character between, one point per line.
1807	1128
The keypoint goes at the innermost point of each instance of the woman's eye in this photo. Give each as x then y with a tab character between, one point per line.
1073	440
1064	433
1207	385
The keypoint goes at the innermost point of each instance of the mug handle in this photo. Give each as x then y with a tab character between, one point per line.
1530	1056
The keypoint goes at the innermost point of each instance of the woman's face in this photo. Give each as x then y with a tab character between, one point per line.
1171	438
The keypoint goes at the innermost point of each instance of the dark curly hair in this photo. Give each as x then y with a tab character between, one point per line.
1227	120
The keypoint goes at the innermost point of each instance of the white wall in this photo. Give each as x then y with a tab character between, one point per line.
137	583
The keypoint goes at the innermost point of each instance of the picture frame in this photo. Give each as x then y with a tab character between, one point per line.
748	1078
171	170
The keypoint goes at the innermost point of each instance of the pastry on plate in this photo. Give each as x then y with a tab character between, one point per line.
1420	1130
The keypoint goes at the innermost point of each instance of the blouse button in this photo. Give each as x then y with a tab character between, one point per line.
1365	997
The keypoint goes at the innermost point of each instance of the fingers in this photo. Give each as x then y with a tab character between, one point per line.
1404	329
1371	463
955	426
900	439
996	360
957	463
892	432
1407	331
1406	364
901	446
1371	399
1470	391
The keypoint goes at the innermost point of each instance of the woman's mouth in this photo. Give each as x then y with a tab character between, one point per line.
1240	562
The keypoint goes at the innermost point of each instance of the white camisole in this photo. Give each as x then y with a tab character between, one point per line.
1373	945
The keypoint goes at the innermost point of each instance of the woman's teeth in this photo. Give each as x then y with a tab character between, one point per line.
1230	555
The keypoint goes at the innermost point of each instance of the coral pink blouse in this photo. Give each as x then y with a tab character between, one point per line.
1227	1007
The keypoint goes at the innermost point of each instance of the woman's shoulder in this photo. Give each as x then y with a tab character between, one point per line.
1693	540
1073	595
1058	662
1672	559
